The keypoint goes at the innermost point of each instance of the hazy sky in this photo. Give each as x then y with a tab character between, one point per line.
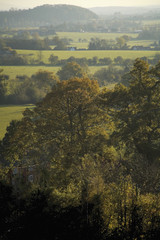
20	4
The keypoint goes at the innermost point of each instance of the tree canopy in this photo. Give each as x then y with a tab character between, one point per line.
136	109
96	151
69	70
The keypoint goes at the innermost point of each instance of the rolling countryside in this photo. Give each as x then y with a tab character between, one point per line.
79	120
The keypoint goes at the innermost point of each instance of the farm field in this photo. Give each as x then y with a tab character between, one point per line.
151	22
84	45
88	35
88	54
81	40
8	113
13	71
144	43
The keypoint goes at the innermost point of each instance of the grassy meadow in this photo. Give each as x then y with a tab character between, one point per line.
88	54
14	71
78	36
8	113
81	40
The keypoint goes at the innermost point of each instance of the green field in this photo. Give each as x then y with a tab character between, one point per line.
88	54
8	113
75	36
151	22
81	40
144	43
13	71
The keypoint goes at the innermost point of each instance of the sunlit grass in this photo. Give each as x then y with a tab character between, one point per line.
88	54
13	71
88	35
8	113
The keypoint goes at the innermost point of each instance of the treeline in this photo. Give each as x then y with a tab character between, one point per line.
94	158
41	31
9	57
152	33
94	61
26	41
30	44
24	89
103	44
27	89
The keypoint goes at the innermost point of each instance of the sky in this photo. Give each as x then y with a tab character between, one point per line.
22	4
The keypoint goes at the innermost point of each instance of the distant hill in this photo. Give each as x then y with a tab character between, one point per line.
124	10
45	15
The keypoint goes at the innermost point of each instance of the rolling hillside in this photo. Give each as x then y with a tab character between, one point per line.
45	15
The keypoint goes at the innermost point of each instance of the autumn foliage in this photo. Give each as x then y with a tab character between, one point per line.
97	155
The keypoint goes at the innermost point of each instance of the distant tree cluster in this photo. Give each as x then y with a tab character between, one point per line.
150	34
103	44
29	90
94	61
32	44
3	89
8	56
109	75
33	89
60	44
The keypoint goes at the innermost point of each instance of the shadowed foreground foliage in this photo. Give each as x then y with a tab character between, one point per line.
40	216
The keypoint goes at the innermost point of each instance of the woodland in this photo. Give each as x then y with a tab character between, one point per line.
83	162
96	154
